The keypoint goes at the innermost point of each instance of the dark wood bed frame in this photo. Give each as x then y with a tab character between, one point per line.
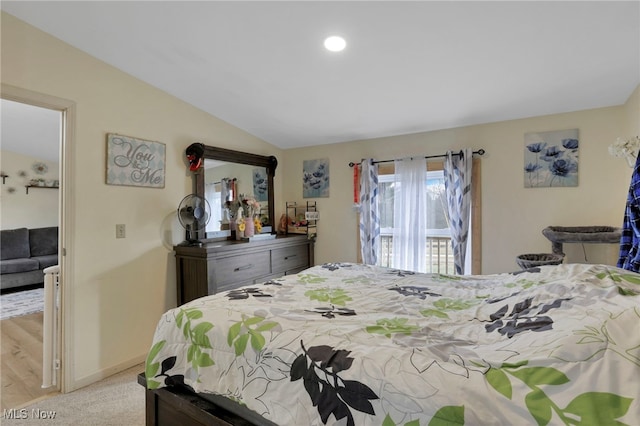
178	406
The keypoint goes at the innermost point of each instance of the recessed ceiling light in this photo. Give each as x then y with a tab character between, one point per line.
335	43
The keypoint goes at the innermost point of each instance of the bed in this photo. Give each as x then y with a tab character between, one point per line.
352	344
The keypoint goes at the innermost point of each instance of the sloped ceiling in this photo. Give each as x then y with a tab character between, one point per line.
408	66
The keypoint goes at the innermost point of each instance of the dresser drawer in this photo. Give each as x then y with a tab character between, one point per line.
234	285
286	258
241	268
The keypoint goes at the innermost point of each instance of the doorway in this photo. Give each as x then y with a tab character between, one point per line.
64	113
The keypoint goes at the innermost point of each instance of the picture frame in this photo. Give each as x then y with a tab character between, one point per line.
135	162
260	184
551	159
315	178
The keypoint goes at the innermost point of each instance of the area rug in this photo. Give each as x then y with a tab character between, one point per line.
21	303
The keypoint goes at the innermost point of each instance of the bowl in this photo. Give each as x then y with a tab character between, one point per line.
532	260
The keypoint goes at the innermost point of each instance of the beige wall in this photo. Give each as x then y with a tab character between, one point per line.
512	216
632	115
38	208
120	286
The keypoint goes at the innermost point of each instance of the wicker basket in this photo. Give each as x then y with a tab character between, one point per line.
526	261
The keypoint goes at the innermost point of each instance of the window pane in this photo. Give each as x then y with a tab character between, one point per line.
439	252
437	203
385	206
437	219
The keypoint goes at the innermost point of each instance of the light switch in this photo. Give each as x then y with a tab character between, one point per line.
121	231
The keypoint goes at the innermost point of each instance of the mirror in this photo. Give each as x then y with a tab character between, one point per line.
225	175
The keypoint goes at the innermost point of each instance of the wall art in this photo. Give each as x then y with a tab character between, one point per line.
39	168
315	178
260	184
135	162
551	159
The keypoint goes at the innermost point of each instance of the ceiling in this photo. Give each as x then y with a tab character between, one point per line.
30	130
408	66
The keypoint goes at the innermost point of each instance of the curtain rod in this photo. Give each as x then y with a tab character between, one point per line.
478	152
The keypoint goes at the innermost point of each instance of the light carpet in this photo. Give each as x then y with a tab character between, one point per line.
21	303
115	401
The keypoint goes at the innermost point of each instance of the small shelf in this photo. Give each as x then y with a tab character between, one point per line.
302	219
558	235
40	187
4	177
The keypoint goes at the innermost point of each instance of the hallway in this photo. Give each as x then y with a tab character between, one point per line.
21	361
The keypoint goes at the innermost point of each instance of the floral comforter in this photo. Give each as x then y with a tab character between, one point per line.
359	345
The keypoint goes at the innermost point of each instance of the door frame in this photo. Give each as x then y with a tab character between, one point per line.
66	211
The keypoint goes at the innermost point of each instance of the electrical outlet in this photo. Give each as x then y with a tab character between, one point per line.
121	231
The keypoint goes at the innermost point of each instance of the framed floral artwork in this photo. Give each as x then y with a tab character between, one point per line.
551	159
315	178
260	184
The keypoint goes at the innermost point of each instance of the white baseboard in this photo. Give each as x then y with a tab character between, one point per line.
106	372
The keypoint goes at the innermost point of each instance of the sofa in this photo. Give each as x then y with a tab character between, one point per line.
24	253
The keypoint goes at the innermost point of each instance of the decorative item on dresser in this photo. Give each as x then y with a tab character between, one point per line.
228	264
302	219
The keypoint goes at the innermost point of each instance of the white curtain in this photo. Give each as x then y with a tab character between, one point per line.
213	197
410	215
225	191
457	182
369	218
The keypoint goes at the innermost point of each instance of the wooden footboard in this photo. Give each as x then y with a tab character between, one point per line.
175	406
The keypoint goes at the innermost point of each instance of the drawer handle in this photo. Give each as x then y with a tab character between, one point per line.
243	268
289	257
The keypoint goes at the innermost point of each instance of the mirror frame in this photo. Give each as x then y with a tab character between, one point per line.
221	154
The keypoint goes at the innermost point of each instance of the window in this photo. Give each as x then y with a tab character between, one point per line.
214	197
439	252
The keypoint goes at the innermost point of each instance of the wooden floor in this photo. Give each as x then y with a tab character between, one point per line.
21	361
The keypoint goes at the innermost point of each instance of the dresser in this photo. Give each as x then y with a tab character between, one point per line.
225	265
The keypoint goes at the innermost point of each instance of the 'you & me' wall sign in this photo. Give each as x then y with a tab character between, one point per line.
135	162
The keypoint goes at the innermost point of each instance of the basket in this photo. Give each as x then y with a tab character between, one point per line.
526	261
